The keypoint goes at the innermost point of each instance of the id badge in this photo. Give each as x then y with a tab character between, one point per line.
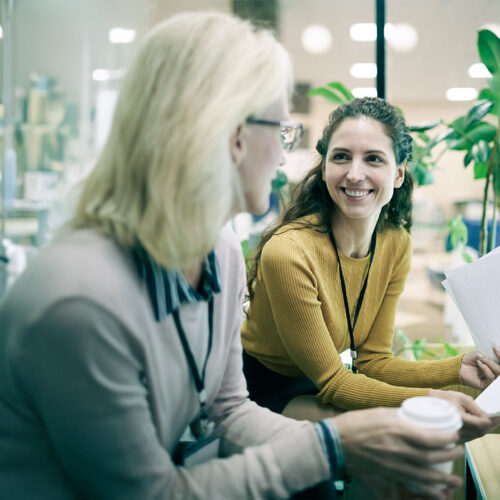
196	452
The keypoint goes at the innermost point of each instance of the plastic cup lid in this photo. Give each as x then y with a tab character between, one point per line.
432	413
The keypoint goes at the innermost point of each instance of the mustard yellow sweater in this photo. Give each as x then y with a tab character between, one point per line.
296	323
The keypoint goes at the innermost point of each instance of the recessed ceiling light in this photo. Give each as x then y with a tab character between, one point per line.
364	70
363	32
316	39
403	37
479	70
121	35
104	75
367	32
364	92
461	94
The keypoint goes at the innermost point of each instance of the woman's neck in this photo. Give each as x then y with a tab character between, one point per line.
193	276
353	236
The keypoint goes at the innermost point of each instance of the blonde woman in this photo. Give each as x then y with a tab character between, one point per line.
125	332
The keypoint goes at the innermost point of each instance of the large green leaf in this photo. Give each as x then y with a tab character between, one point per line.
494	84
478	111
481	131
458	124
488	45
492	97
480	170
445	135
342	89
327	94
422	127
480	152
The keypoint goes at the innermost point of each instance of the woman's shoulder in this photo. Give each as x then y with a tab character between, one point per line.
303	231
395	241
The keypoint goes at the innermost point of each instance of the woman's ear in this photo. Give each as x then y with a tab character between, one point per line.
400	175
237	145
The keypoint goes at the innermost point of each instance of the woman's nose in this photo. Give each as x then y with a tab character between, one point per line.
355	172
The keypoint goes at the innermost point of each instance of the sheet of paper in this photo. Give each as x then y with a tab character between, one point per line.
475	289
489	399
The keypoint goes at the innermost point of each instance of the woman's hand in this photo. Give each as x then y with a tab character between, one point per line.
378	443
476	423
479	371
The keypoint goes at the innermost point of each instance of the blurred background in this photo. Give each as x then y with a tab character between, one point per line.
62	63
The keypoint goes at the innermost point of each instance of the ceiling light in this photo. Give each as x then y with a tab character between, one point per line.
121	35
461	94
367	32
364	70
364	92
104	75
479	70
316	39
403	37
363	32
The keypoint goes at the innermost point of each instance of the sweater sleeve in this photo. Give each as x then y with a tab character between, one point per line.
375	356
79	367
291	285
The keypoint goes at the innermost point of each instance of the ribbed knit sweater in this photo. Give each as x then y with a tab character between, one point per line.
297	326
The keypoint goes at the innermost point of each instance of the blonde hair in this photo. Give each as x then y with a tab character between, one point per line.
165	179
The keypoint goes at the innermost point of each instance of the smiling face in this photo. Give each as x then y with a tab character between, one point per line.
360	170
257	152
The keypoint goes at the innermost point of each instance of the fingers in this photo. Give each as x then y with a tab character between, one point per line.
469	405
496	350
474	427
429	439
488	366
422	479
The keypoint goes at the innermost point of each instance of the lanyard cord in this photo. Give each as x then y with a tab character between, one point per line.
351	326
199	381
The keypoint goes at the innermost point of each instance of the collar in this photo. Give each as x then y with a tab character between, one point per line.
168	288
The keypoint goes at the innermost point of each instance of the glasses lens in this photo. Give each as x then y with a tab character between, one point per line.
290	137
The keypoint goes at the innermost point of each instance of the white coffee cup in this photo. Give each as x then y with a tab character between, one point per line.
432	413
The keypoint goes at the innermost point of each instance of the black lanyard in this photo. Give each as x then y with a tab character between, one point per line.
202	427
359	303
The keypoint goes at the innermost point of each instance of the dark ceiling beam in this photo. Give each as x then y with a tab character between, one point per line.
380	47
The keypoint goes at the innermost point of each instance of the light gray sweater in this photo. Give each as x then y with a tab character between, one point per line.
95	394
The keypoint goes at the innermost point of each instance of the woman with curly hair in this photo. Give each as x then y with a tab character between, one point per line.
327	277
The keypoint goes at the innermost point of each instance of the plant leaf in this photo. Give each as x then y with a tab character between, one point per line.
467	158
418	348
451	351
327	94
480	152
279	181
445	135
481	131
466	257
342	89
494	84
480	170
478	111
459	234
490	96
423	126
488	45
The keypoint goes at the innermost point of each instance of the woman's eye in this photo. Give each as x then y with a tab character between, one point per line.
374	159
339	157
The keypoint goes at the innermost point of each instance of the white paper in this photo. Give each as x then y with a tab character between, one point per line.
475	289
489	399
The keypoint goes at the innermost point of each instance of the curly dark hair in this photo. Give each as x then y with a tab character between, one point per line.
311	195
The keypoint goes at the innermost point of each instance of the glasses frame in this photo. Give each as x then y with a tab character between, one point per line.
282	124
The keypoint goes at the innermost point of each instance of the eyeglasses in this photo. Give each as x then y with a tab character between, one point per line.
290	132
